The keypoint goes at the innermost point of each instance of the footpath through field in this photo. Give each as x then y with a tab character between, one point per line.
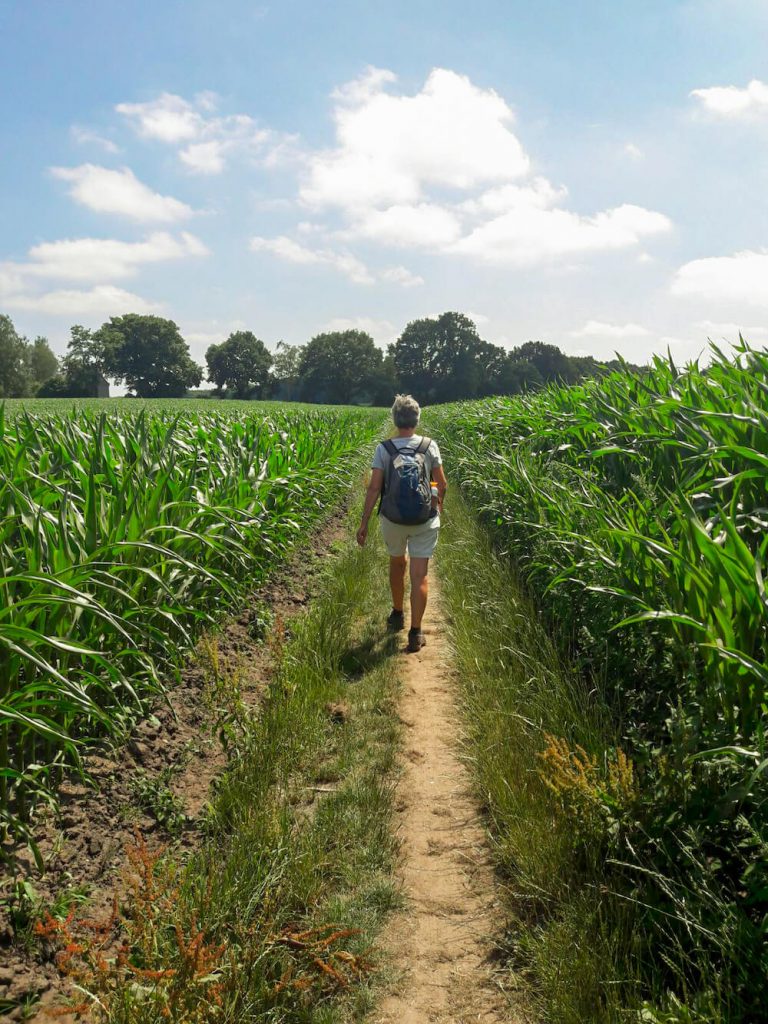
442	943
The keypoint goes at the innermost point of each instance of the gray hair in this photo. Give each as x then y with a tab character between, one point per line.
405	411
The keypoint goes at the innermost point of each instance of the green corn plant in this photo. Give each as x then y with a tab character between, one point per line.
121	536
635	508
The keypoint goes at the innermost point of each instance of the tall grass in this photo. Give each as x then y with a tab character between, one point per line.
515	691
635	509
120	538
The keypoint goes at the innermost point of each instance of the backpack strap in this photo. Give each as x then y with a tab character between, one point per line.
392	451
424	445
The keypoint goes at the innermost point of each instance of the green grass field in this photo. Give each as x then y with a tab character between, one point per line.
173	406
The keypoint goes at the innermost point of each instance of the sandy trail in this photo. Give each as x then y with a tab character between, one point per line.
441	943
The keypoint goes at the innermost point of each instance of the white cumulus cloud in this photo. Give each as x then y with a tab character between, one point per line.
93	260
107	259
104	300
529	234
205	157
168	118
741	278
390	147
442	170
540	194
425	225
730	101
119	192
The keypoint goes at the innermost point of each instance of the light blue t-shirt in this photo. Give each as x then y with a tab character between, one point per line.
432	455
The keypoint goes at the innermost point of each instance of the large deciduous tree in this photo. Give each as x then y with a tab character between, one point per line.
148	354
340	368
241	363
24	365
442	359
15	377
81	367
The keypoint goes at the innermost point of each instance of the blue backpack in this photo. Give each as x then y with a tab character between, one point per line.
407	494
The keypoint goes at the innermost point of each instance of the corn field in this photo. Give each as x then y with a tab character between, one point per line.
635	510
121	538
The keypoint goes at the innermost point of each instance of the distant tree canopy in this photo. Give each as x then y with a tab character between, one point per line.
343	367
80	369
148	354
438	359
241	363
442	359
287	360
24	365
285	371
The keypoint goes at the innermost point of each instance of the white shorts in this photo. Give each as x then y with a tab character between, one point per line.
420	540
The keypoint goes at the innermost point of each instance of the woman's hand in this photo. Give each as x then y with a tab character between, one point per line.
362	535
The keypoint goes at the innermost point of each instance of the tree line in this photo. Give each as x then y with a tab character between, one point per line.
439	359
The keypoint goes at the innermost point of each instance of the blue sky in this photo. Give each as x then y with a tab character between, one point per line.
590	174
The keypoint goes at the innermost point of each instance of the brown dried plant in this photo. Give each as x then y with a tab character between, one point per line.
592	795
163	957
277	639
315	963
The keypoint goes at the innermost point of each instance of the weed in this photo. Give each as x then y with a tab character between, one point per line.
154	795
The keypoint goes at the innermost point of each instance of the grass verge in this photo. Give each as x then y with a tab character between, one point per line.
273	918
530	730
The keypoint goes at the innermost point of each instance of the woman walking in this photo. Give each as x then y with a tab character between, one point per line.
407	475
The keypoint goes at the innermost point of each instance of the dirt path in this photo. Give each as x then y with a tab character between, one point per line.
442	942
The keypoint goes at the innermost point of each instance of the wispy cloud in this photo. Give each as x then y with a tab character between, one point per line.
343	261
402	276
601	329
383	332
207	139
294	252
88	137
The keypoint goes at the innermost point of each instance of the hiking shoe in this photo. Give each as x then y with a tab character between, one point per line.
415	640
396	621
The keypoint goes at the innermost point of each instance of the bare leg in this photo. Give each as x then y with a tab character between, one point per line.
397	581
419	590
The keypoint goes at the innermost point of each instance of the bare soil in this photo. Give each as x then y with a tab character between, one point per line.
442	945
84	844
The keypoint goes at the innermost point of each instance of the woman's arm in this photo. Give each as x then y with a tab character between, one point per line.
371	497
438	475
